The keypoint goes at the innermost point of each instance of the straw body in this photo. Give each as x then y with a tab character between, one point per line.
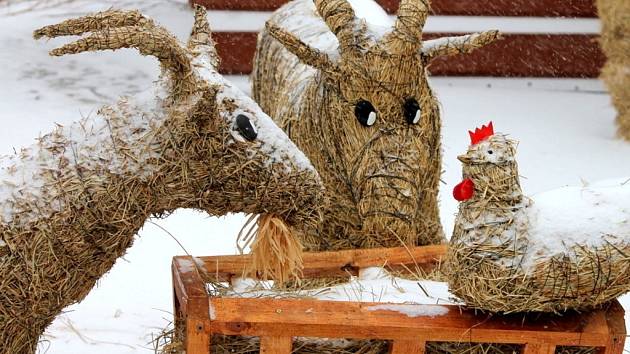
497	263
615	41
72	203
355	98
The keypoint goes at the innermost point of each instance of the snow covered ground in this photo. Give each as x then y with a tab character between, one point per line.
565	128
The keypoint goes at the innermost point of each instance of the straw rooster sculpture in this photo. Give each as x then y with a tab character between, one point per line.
350	88
568	248
72	203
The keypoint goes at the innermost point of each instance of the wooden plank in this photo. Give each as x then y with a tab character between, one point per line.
539	348
276	345
337	319
616	328
517	55
189	288
197	340
537	8
407	347
338	263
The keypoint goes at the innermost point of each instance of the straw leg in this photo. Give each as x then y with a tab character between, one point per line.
539	348
276	345
407	347
197	340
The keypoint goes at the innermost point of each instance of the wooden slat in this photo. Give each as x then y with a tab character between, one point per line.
407	347
517	55
337	319
276	345
545	8
197	339
539	348
339	263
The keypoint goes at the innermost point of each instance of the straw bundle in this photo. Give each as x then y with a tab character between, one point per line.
615	41
355	98
71	204
493	263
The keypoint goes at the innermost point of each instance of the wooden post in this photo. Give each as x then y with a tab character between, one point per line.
407	347
539	348
197	340
276	345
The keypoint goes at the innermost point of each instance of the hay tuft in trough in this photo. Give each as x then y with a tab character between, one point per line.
354	96
71	204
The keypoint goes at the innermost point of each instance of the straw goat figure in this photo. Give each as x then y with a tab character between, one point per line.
354	97
72	203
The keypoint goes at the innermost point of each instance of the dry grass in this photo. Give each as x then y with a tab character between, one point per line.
490	242
185	158
615	41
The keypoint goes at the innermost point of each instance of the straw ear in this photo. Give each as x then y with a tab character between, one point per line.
304	52
457	45
203	113
200	41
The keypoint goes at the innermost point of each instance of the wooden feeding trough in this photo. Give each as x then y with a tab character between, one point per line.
277	321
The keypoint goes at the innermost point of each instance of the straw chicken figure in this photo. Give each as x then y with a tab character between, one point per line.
568	248
72	203
354	96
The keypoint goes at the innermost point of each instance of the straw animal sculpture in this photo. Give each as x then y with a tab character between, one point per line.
615	41
563	249
72	203
355	98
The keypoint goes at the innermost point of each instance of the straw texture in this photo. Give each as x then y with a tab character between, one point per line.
615	41
72	203
485	264
355	98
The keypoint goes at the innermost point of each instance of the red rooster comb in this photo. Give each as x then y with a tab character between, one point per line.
481	134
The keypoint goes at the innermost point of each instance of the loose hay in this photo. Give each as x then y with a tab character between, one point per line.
276	252
311	73
615	41
71	204
487	258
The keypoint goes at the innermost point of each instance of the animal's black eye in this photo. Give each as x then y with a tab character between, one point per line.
490	152
412	111
245	127
365	112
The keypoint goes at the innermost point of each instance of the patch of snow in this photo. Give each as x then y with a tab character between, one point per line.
588	216
412	310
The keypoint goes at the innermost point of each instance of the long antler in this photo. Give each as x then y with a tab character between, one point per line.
115	29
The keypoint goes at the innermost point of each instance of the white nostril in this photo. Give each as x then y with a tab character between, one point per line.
371	118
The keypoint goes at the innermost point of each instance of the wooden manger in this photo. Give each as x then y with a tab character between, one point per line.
277	321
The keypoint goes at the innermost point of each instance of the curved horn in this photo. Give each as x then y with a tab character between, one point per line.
406	37
340	18
200	41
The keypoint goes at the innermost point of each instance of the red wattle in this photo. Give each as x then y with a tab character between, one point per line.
464	190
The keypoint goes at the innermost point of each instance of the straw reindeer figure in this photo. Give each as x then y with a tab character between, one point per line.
355	98
73	202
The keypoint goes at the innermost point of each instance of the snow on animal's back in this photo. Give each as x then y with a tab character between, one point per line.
588	216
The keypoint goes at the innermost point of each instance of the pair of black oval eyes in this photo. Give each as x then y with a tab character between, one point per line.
364	108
